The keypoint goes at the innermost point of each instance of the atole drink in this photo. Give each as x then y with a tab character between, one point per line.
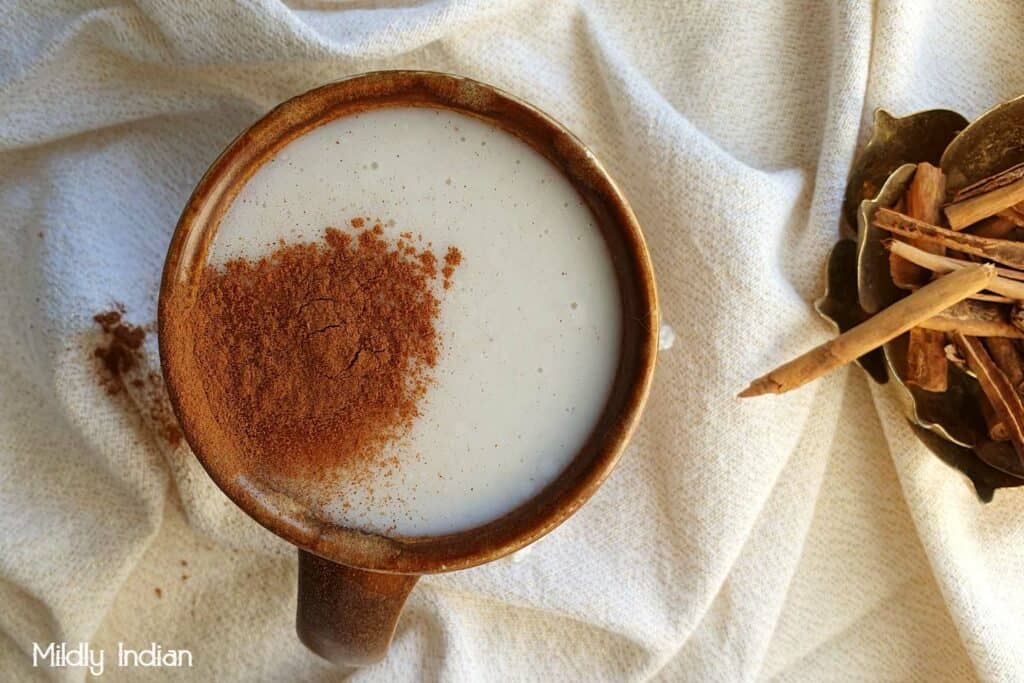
529	328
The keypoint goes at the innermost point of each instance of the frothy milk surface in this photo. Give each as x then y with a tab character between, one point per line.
530	327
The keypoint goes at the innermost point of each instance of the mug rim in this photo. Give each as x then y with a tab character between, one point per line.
588	469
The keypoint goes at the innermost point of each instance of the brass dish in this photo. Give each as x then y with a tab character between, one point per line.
859	284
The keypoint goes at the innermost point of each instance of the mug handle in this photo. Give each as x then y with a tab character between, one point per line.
347	615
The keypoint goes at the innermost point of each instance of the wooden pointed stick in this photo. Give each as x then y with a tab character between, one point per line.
889	323
1002	251
964	213
1002	284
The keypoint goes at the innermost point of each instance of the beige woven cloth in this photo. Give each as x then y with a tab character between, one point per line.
807	537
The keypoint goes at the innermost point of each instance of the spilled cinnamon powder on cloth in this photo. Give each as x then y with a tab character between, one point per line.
118	349
121	368
317	354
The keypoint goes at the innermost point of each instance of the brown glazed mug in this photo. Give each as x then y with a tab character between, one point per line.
353	584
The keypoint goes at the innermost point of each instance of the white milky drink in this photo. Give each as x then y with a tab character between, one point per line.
529	329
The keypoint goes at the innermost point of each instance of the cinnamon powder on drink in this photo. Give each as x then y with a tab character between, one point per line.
452	259
316	355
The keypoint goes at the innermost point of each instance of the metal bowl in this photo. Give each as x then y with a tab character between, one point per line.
950	423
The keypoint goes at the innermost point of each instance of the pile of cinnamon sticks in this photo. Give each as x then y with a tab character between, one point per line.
961	257
981	223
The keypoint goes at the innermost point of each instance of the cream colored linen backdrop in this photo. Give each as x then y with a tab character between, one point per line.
807	537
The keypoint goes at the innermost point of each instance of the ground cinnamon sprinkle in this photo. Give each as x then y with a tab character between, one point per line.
429	263
452	259
316	355
119	352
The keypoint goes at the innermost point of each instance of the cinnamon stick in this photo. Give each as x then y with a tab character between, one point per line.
927	367
924	200
1002	251
996	226
1002	284
1006	402
975	319
974	328
997	430
1014	214
882	327
1005	354
926	193
1017	317
993	182
968	211
994	298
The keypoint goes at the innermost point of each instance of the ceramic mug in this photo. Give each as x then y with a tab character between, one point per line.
352	584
